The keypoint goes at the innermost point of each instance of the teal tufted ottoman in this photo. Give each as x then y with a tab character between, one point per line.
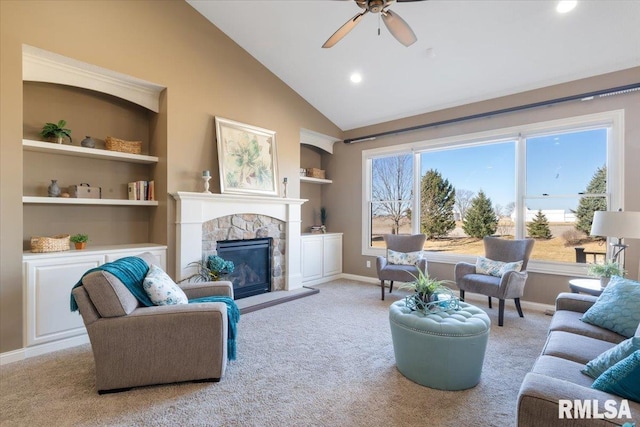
442	350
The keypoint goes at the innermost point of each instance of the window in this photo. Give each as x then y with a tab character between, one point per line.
542	180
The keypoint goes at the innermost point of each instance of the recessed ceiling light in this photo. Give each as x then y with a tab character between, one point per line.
356	78
565	6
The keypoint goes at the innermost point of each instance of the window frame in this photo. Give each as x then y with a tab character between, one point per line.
613	120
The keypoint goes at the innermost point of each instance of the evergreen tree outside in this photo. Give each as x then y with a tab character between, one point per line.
481	219
587	205
437	198
539	227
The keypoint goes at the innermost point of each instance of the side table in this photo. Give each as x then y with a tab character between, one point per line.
587	286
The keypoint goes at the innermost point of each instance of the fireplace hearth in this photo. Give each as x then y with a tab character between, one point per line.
252	265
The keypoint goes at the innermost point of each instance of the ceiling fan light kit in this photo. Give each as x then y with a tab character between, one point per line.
394	23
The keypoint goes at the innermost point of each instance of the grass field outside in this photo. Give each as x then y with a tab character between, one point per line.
555	249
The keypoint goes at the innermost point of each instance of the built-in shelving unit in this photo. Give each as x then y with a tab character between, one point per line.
311	180
91	153
86	201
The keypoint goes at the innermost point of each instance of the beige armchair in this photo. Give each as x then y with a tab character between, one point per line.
509	285
399	272
136	346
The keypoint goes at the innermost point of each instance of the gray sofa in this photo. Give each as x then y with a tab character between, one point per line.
556	375
136	346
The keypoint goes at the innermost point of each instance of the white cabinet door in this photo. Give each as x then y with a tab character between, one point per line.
332	252
49	283
312	252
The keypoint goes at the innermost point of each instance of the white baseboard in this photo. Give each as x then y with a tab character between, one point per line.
40	349
527	305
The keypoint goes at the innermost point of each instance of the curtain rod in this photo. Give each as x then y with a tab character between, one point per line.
585	96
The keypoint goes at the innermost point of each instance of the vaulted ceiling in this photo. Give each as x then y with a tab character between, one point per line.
467	50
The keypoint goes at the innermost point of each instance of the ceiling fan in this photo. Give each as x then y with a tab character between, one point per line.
396	25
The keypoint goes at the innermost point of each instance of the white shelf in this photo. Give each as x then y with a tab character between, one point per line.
93	153
315	180
85	201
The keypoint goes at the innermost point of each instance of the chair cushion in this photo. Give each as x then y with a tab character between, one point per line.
496	268
161	289
622	379
109	295
404	258
480	284
616	308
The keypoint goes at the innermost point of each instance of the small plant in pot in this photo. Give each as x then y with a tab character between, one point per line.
426	289
605	271
56	131
80	240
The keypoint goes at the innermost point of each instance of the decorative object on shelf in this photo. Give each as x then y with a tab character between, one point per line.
212	268
206	176
284	182
323	216
303	172
605	271
122	145
248	158
53	190
57	243
429	294
318	229
315	173
88	142
56	131
80	240
86	191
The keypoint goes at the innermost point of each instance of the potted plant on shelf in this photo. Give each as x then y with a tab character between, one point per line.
80	240
426	289
56	131
210	269
605	271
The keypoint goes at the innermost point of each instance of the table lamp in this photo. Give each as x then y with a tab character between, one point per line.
617	224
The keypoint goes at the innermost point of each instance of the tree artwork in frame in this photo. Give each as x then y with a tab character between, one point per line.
247	158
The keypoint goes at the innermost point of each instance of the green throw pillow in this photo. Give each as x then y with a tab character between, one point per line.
597	366
616	309
622	379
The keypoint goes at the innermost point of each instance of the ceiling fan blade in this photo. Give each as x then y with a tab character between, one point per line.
398	28
344	30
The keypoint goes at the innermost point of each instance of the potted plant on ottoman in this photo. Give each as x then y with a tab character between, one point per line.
56	131
80	240
426	290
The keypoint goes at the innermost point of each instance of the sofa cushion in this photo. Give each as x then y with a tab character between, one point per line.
622	379
161	289
616	308
562	369
569	321
577	348
604	361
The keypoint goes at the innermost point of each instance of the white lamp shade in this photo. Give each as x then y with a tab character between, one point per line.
616	224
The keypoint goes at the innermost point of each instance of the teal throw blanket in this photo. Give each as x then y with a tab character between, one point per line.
131	271
233	316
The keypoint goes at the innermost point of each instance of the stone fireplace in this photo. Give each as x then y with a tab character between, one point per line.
203	219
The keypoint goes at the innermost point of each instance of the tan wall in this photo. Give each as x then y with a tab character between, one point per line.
345	165
168	43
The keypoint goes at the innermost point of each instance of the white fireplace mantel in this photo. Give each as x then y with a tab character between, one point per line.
194	209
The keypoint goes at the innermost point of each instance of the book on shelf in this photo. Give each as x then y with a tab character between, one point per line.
141	190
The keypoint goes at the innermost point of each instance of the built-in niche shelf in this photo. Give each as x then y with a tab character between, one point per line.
315	139
311	180
86	201
92	153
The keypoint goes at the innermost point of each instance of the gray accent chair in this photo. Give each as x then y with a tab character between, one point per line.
510	285
395	272
137	346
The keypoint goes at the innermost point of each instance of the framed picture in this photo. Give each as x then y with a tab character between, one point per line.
247	158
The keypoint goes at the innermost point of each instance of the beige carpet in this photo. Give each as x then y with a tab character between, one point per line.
323	360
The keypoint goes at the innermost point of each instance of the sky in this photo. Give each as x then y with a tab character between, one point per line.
560	164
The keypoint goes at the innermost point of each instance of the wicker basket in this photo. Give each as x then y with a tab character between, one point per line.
115	144
59	242
315	173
